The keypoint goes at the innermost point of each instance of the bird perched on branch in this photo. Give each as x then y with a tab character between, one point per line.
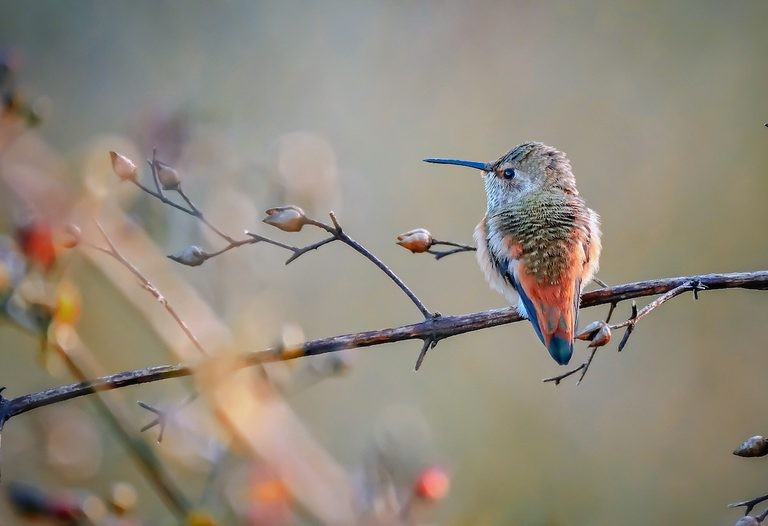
539	243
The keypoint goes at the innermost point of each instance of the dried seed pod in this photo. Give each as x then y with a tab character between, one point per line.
589	332
168	176
192	256
597	333
602	337
756	446
417	240
123	167
287	218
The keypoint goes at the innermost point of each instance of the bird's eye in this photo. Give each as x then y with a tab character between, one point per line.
509	173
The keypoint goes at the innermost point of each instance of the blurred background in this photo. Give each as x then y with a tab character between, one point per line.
660	107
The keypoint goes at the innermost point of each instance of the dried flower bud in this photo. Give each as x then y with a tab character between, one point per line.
602	337
432	484
588	332
597	333
288	218
417	240
747	520
192	256
123	167
73	236
168	176
756	446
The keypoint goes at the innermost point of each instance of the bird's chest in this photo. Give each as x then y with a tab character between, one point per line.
542	239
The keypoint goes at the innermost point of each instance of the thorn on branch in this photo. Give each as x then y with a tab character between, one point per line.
630	327
697	286
750	504
429	343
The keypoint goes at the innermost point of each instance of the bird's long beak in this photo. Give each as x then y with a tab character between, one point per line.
486	167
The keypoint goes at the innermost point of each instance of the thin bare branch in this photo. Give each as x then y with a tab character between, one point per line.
439	327
457	248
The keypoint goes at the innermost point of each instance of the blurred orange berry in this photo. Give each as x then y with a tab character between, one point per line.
432	484
269	491
35	240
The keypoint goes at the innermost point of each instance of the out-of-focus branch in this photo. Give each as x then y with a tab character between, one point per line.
111	250
436	328
145	456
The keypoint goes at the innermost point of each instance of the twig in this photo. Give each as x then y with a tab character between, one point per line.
441	327
429	343
337	232
144	455
749	504
162	416
458	247
584	367
690	285
146	284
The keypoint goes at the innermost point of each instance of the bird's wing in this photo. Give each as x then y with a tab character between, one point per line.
552	309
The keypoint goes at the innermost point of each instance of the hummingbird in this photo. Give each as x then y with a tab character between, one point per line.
538	244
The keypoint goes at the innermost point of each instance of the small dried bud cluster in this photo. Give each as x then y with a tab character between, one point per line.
287	218
597	333
123	167
756	446
192	256
417	240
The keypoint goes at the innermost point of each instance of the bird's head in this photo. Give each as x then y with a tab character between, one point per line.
527	169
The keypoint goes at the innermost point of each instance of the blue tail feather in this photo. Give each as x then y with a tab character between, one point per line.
560	349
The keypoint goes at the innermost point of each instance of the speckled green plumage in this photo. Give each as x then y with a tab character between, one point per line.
546	225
